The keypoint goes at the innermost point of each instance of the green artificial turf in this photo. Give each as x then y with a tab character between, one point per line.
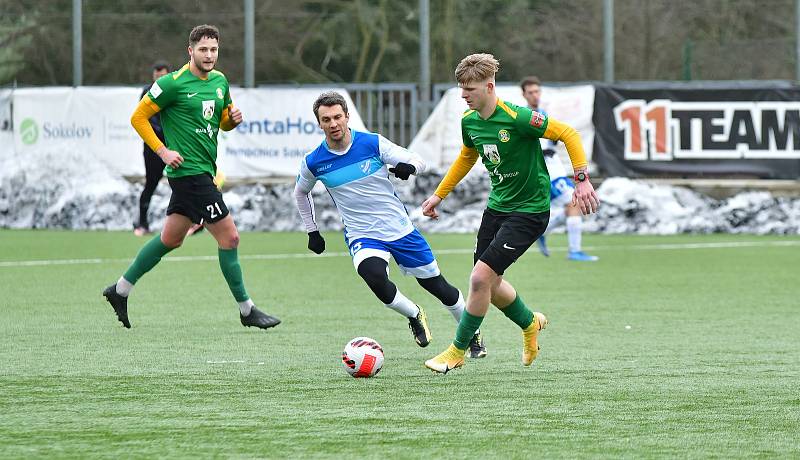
681	346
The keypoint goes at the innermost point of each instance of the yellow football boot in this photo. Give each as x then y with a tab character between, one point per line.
530	336
450	359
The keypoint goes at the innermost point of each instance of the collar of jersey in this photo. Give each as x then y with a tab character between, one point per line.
347	149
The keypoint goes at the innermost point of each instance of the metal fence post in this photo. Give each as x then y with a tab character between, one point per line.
77	43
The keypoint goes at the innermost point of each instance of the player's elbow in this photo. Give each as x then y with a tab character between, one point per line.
137	118
570	134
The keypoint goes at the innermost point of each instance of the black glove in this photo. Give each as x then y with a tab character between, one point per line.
316	242
548	152
403	170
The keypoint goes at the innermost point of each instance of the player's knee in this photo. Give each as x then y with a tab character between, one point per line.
230	241
234	240
172	242
373	271
480	281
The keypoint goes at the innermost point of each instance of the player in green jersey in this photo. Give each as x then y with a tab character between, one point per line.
194	103
506	138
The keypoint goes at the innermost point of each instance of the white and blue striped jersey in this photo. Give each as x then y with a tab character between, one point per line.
358	182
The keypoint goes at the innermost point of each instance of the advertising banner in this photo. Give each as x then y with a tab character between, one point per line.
698	132
279	128
93	121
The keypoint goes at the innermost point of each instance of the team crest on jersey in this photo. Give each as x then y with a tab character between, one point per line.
208	109
219	93
491	152
537	119
503	135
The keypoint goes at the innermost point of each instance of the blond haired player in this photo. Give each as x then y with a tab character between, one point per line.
506	138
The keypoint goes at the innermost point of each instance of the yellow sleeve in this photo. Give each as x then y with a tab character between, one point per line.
140	121
226	124
465	161
558	131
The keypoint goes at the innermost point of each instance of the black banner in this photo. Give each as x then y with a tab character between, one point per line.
708	132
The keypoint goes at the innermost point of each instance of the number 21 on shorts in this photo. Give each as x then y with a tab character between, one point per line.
214	210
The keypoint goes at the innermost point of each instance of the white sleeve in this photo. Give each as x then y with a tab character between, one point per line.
302	195
392	154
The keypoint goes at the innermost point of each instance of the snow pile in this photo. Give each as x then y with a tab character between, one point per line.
65	190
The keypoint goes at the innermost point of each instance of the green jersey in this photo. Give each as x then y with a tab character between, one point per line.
508	144
191	112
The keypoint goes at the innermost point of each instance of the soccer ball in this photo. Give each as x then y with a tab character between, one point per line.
362	357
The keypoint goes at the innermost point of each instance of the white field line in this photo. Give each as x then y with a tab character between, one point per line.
634	247
260	363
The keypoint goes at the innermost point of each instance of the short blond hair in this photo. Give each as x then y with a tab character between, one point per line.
477	67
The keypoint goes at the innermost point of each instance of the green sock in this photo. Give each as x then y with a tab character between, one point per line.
147	258
229	264
517	311
466	329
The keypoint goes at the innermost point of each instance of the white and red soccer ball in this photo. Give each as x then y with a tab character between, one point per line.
362	357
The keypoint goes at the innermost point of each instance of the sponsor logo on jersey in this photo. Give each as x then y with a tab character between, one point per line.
208	130
503	135
191	95
208	109
500	176
491	152
537	119
155	90
219	93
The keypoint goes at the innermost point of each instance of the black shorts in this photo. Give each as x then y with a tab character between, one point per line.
197	198
504	236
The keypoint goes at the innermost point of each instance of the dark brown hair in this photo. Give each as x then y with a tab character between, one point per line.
527	81
329	99
203	31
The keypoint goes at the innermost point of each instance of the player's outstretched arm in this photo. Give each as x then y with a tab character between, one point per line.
465	161
429	206
585	196
405	162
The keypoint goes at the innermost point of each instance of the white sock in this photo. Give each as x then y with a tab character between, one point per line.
458	308
123	287
402	305
574	226
556	218
246	306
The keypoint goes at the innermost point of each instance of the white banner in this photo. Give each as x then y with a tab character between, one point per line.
94	121
279	128
439	139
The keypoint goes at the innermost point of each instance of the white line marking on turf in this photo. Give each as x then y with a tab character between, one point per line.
225	362
636	247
